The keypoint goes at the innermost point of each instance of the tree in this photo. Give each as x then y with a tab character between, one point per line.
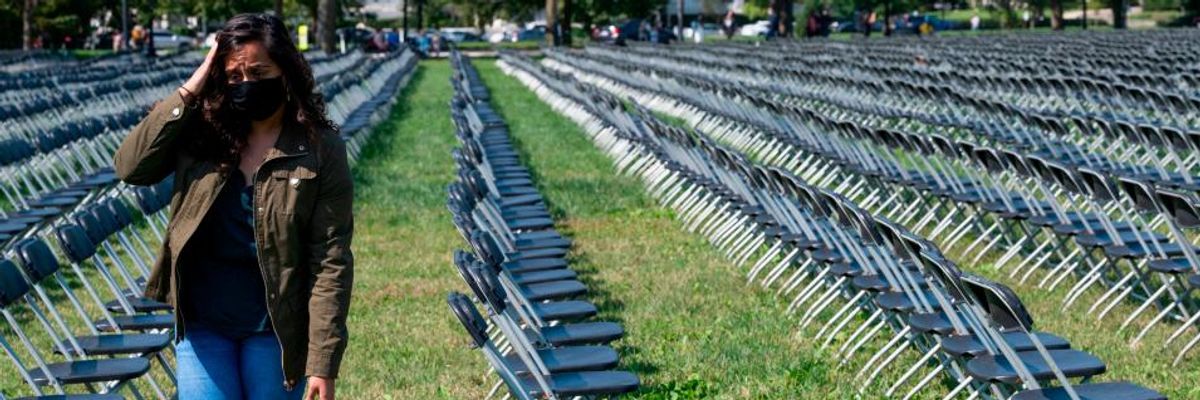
27	24
1119	13
1056	15
551	11
327	21
568	11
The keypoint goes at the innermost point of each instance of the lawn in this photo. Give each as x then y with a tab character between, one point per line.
694	329
1147	363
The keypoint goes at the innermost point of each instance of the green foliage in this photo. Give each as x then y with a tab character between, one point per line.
1160	5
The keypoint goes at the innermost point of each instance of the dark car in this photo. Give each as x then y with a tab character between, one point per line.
536	33
619	33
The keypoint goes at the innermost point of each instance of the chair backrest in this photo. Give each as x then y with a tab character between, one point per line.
92	227
486	248
1140	192
1097	184
1179	207
107	220
120	212
1000	302
494	294
75	242
12	284
37	258
472	321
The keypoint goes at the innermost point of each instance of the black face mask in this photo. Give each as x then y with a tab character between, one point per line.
256	100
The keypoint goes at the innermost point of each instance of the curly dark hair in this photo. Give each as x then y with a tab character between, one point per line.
303	108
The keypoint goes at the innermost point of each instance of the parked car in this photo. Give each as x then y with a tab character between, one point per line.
758	28
172	42
535	33
459	35
709	29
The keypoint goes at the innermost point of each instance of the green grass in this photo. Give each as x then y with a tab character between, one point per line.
694	329
403	342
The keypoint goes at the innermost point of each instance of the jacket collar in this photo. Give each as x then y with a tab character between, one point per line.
291	142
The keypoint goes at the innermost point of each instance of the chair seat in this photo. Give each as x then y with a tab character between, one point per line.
567	310
140	322
120	344
523	244
970	346
931	323
570	359
75	397
90	371
140	304
1093	391
1177	265
595	383
549	252
1138	250
900	302
583	333
1073	363
828	256
12	227
509	214
544	276
1104	239
535	264
530	223
553	290
877	283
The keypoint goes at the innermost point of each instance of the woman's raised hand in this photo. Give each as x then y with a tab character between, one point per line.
196	82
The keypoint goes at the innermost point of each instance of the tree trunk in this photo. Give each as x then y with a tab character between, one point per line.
404	10
1119	14
327	20
420	16
1056	15
679	15
887	18
279	8
27	24
551	19
568	11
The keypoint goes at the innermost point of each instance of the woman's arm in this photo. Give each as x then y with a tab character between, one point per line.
148	154
331	262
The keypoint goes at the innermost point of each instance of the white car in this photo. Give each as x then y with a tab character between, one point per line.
756	29
171	41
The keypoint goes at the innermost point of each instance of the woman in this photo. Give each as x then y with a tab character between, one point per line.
257	257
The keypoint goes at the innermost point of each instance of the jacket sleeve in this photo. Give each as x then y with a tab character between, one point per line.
331	263
148	154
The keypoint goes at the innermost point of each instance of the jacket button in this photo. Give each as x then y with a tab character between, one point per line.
301	147
175	112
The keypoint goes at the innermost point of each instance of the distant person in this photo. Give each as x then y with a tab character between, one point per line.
772	21
1025	18
727	24
975	22
137	35
424	43
262	214
926	28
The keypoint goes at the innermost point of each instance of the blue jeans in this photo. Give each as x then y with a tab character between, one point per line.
210	366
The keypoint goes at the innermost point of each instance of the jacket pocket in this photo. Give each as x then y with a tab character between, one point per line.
292	190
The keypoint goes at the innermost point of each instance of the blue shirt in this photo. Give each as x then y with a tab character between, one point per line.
222	287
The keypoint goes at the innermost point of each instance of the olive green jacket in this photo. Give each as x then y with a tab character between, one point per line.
303	225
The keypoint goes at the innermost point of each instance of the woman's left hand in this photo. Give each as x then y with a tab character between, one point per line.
318	388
